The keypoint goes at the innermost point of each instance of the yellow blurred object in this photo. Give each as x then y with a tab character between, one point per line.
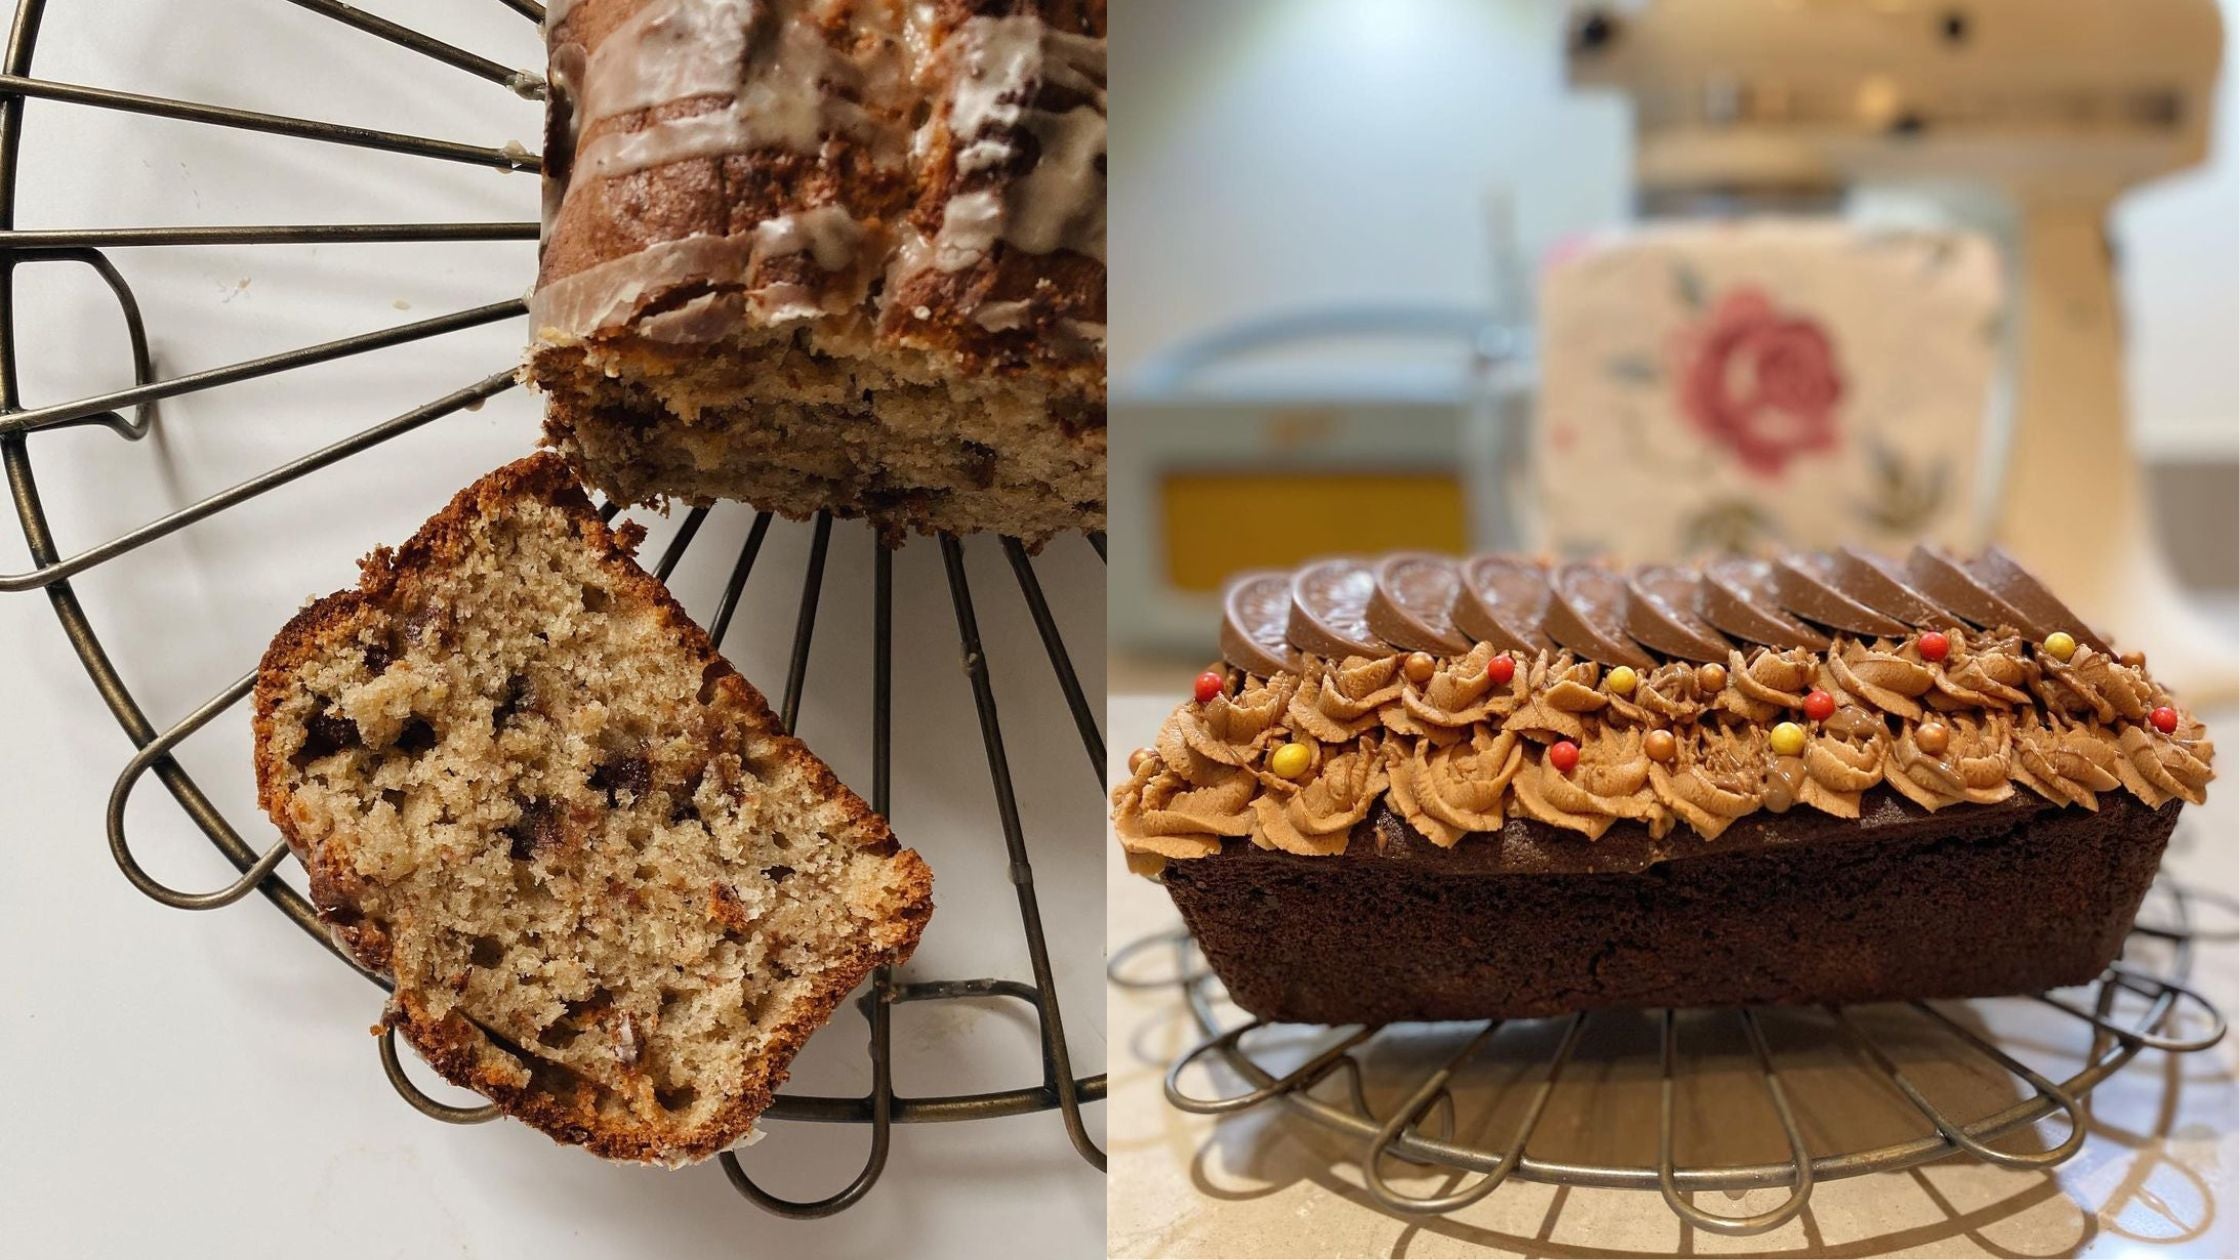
1622	680
1787	739
2060	645
1218	523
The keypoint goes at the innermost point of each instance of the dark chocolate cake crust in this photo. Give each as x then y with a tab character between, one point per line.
2017	897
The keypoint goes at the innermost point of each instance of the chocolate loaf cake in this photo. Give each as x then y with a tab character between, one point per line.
1428	789
830	254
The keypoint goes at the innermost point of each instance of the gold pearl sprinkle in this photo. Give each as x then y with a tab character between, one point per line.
1712	677
1419	667
1660	745
1932	738
1138	759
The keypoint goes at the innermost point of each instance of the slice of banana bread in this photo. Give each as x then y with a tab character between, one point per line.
615	896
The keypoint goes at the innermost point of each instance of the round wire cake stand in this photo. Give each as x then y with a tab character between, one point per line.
1294	1071
130	413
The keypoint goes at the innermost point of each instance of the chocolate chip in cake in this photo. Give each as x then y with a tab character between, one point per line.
325	734
539	828
616	775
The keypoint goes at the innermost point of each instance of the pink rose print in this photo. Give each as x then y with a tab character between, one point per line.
1759	382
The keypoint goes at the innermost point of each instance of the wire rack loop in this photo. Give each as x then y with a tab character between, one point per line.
1800	1162
1372	1164
160	750
394	1068
2159	989
143	364
1305	1076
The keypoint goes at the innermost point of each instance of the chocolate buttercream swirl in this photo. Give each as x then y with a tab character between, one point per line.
1410	606
1768	683
1167	814
1338	700
1330	610
1610	782
1559	694
1986	671
1255	624
1661	615
2064	761
1460	694
1842	760
1811	586
2157	767
2092	682
1504	601
1673	693
1716	777
1974	767
1588	615
1316	818
1892	679
1226	730
1738	596
1448	792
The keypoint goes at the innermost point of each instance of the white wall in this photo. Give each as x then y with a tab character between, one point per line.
1282	154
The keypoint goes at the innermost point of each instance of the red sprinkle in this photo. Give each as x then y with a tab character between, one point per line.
1564	756
1934	646
1819	706
2165	719
1501	669
1210	684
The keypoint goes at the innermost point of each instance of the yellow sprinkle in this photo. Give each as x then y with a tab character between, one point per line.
1622	680
2060	645
1291	760
1788	739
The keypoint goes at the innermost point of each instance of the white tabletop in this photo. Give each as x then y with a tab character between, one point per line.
203	1084
2158	1176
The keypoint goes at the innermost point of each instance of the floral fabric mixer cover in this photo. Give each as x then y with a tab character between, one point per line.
1764	384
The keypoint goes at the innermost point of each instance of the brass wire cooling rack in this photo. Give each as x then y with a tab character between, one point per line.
129	413
1400	1132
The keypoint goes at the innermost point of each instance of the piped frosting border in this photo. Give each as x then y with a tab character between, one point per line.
1454	752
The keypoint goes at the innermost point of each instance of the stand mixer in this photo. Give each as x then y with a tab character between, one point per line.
2025	119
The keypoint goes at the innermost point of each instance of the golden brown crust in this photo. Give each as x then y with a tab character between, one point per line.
682	319
459	1050
600	220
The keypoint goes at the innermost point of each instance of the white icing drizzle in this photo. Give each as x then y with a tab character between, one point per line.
827	233
1001	316
668	52
611	294
781	84
1059	204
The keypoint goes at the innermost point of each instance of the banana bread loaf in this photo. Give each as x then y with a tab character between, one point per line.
843	254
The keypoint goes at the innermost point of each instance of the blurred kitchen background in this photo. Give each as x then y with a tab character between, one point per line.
1663	277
